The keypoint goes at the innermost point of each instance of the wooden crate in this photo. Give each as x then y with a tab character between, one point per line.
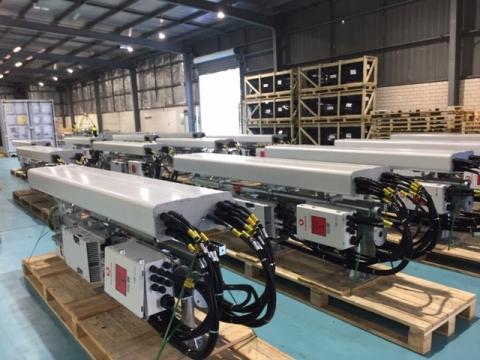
267	85
313	134
107	330
313	85
34	202
19	173
255	112
310	107
403	309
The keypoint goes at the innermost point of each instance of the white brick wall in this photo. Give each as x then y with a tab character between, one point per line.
427	96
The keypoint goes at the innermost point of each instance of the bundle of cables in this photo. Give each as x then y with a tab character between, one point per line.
247	227
424	213
395	215
204	276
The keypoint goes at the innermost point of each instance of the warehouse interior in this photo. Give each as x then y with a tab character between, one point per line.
239	179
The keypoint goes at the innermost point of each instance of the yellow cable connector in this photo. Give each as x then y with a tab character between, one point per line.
193	234
236	233
388	192
204	237
245	234
252	215
248	228
189	283
192	248
387	223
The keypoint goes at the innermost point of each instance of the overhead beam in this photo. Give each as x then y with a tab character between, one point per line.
454	54
64	58
30	71
63	30
234	12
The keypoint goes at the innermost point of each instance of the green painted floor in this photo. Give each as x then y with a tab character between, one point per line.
28	330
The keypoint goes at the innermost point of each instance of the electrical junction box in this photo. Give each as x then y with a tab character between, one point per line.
324	225
128	277
438	193
473	179
135	167
118	166
263	210
82	252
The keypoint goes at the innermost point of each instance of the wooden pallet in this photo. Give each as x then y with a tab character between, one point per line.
400	308
35	202
107	330
463	256
19	173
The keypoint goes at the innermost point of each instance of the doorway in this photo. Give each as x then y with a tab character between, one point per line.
220	101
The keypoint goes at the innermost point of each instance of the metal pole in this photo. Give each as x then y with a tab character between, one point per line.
98	104
454	55
136	108
188	73
70	104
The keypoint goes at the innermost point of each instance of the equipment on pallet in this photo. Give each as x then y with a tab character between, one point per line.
155	135
18	143
148	234
83	142
441	137
451	195
136	158
342	212
38	155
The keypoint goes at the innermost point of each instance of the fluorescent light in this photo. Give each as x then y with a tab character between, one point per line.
126	47
221	15
55	66
8	56
6	72
70	70
54	78
162	36
18	64
17	49
29	58
343	21
40	83
1	76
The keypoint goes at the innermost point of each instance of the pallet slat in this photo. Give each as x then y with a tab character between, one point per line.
419	306
107	330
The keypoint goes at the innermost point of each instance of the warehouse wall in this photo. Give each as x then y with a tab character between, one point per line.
410	38
161	94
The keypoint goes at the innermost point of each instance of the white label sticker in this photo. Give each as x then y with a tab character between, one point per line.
353	71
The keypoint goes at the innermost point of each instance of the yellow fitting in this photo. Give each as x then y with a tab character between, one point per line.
204	237
192	233
189	283
245	234
248	228
388	224
192	248
236	233
251	221
254	217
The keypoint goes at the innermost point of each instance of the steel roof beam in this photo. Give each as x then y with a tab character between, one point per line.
57	29
234	12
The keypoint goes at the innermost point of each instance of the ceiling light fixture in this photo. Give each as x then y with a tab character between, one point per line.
18	64
17	49
40	83
126	47
220	14
6	72
1	76
8	56
54	78
70	70
30	58
36	6
162	36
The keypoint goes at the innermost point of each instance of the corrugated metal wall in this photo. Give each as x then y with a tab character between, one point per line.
410	37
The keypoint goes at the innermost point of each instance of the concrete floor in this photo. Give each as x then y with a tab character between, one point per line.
28	330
